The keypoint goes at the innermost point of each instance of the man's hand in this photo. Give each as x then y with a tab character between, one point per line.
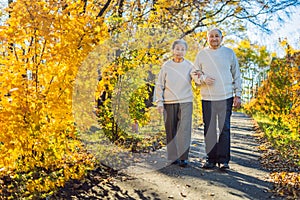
209	80
237	102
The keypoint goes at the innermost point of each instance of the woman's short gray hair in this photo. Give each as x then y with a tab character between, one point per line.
179	41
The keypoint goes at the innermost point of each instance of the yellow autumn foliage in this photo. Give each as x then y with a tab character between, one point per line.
43	44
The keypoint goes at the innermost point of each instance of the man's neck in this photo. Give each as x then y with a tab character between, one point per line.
214	48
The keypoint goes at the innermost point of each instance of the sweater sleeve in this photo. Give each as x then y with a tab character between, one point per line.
159	88
236	76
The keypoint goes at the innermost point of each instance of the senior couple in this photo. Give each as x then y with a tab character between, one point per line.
216	71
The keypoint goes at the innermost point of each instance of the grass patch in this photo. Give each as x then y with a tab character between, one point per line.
281	138
280	155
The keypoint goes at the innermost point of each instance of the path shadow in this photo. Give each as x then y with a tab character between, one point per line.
248	186
244	177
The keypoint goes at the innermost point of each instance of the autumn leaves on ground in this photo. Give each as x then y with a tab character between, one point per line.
69	68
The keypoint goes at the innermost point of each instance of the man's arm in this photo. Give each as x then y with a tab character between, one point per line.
237	82
236	76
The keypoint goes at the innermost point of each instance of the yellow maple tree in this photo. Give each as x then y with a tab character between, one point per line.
43	45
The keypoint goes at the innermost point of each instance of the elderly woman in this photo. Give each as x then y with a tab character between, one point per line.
174	98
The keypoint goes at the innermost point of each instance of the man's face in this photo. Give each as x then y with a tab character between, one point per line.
214	39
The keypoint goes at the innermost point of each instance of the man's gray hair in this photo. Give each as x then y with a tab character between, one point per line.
214	29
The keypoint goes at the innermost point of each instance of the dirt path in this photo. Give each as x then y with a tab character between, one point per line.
154	179
245	180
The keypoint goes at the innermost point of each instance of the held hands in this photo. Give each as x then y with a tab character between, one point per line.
203	78
198	73
237	102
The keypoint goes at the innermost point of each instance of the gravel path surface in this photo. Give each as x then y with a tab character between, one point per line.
154	179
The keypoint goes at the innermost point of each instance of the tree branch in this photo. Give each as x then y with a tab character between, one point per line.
102	11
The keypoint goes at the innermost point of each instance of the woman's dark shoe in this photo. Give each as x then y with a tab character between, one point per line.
175	162
183	163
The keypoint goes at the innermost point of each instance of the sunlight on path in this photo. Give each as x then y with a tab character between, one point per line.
245	179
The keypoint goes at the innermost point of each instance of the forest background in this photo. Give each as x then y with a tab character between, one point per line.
75	72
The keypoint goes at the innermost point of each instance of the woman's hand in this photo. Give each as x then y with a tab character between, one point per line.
160	109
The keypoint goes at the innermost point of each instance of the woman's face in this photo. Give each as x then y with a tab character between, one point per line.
214	39
179	51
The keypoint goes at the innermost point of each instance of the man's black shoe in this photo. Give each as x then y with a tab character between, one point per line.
209	165
224	166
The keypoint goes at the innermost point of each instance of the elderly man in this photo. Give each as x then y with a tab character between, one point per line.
220	84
